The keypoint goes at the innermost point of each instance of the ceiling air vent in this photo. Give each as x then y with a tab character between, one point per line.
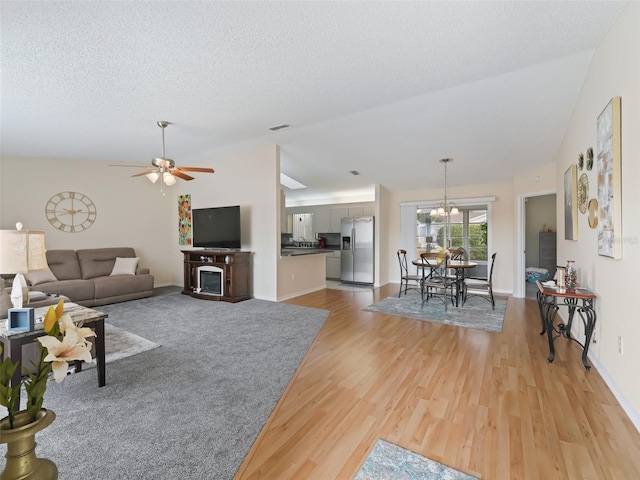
279	127
354	172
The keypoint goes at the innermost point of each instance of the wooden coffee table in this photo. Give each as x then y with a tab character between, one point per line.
12	342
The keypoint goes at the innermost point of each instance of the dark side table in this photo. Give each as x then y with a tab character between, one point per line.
12	342
581	300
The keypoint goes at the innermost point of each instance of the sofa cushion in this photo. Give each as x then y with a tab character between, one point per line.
77	290
64	264
5	303
109	287
99	262
125	266
34	277
40	299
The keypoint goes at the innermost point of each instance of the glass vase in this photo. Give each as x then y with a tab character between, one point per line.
570	276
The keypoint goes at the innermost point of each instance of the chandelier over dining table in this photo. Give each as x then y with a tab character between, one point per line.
446	208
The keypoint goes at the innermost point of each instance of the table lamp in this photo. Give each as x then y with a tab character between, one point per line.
20	252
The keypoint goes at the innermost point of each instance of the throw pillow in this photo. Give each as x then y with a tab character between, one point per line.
34	277
125	266
5	303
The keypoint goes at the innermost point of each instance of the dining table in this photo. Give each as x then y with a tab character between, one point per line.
459	266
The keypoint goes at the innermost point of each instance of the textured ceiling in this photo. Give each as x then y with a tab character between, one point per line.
385	88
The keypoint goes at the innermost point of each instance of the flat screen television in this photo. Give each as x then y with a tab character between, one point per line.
217	227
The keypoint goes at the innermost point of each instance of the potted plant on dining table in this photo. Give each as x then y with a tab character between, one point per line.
62	343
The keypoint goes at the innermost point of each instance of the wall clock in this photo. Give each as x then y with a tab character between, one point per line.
583	193
71	211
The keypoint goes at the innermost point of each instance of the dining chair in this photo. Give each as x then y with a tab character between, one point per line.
435	282
413	282
480	287
457	253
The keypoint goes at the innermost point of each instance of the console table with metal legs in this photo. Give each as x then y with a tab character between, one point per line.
581	300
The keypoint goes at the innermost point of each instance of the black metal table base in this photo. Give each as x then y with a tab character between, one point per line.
549	306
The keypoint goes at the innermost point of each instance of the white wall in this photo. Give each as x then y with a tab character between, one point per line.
130	211
614	71
133	212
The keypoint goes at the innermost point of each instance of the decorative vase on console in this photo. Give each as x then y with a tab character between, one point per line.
570	276
62	343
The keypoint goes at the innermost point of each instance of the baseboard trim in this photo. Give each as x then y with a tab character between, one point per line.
633	415
303	292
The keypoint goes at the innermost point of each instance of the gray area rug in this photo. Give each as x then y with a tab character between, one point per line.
476	312
190	409
391	462
119	344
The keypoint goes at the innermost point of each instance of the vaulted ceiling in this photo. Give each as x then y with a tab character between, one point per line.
384	88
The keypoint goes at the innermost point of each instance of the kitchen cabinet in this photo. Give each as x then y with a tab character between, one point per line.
336	218
322	221
333	265
369	210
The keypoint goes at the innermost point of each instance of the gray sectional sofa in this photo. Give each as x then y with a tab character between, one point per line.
87	277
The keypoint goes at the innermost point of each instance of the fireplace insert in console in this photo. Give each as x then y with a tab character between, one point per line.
210	280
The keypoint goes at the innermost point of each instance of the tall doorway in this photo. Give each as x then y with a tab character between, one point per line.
538	239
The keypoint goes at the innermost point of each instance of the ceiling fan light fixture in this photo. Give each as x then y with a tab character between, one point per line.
168	179
164	163
152	176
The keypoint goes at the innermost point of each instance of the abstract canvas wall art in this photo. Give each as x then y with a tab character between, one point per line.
571	203
609	164
184	219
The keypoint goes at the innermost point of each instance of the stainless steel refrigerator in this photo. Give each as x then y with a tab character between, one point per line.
357	250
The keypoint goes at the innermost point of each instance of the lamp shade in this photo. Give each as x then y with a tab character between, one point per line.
152	176
22	251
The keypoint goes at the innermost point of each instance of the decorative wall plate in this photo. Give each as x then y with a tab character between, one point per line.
580	161
593	213
583	193
70	211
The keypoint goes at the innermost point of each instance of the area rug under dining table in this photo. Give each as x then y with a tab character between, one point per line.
476	312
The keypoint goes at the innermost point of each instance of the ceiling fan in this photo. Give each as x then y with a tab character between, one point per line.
164	168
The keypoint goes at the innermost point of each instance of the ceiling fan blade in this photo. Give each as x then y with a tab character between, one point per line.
195	169
142	173
135	166
181	175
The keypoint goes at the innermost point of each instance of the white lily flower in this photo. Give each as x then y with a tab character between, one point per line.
72	348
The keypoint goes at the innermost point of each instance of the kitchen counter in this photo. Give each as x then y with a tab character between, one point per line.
294	252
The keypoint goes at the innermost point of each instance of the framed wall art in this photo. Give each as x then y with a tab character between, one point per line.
609	164
571	203
184	220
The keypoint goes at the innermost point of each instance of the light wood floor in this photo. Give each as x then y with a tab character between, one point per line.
488	404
